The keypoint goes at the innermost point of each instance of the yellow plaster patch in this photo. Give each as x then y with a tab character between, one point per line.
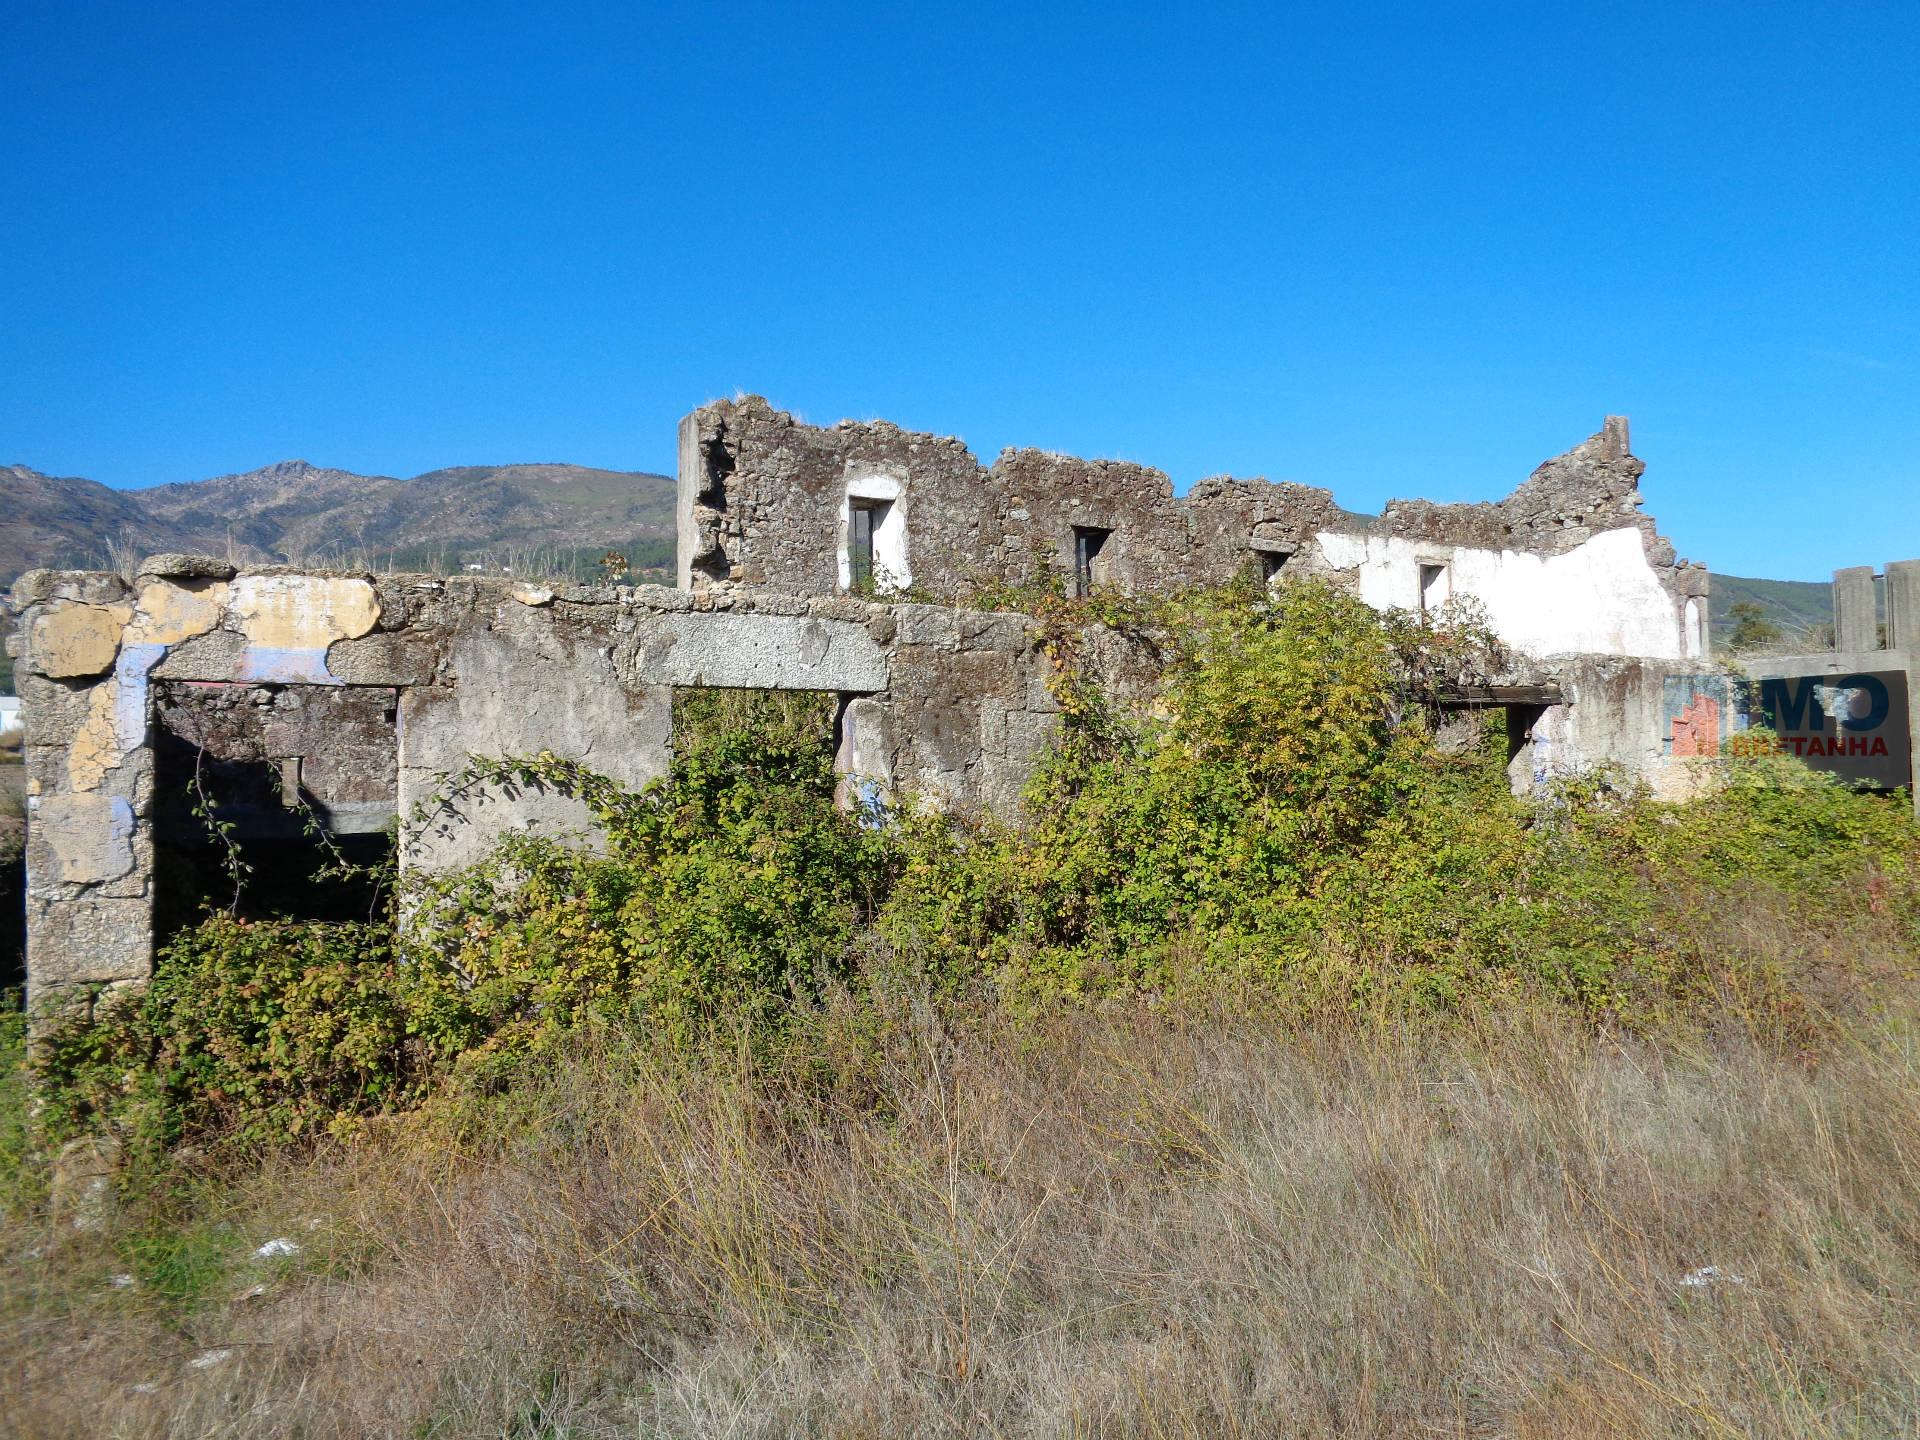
303	612
532	594
162	614
166	614
96	747
71	640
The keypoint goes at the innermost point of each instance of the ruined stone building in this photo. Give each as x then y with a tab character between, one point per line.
843	560
1564	565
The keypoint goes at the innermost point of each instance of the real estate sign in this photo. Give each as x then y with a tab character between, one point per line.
1854	725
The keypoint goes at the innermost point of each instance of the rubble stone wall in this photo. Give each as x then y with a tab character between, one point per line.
1566	563
364	692
361	693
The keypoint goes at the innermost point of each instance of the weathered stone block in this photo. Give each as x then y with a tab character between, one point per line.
87	938
776	604
86	587
985	630
927	625
79	839
218	655
52	709
186	567
386	657
662	597
69	640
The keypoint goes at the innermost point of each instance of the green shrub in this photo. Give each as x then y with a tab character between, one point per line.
1280	823
727	887
251	1030
1285	820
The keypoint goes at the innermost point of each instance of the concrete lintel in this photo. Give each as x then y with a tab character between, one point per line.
762	652
1472	697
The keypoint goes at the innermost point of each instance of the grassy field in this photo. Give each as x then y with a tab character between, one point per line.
929	1220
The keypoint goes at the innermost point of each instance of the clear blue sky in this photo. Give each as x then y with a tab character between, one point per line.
1396	250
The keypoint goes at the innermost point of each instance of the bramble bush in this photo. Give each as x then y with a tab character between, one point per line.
724	889
1281	823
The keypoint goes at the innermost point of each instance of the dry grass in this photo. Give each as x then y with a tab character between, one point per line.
1100	1224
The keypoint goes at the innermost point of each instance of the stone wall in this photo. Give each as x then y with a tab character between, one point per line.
1566	563
358	694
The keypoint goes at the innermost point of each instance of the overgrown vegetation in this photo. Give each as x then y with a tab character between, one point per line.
1279	1071
1751	627
1283	825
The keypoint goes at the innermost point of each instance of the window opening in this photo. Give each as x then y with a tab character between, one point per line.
1434	590
1088	543
272	801
1272	563
864	519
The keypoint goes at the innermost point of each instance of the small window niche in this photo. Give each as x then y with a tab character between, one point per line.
863	516
1436	586
873	537
1090	567
1271	561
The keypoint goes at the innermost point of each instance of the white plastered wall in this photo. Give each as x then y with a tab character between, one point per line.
1602	598
891	569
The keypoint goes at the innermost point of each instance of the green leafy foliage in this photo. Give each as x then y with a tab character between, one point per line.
1286	819
724	889
1751	627
1282	822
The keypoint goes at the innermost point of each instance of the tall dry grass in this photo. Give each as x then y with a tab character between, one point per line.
1112	1222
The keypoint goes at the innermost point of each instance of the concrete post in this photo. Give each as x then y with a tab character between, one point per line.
686	493
1913	728
1856	624
1903	605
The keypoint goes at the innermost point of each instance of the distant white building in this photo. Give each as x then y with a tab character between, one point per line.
9	713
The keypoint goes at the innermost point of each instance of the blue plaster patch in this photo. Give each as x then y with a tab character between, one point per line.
130	696
120	826
302	665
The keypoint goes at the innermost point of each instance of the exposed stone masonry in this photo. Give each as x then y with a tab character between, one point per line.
763	496
358	694
350	697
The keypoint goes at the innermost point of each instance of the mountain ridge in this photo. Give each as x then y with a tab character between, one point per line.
294	511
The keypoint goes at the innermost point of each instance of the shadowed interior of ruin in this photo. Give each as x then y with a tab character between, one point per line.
289	834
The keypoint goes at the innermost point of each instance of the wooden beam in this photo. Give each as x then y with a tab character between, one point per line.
1481	697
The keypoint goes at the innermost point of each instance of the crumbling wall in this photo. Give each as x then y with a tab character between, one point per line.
89	650
350	700
1232	523
763	500
362	695
1565	564
1044	500
1661	722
